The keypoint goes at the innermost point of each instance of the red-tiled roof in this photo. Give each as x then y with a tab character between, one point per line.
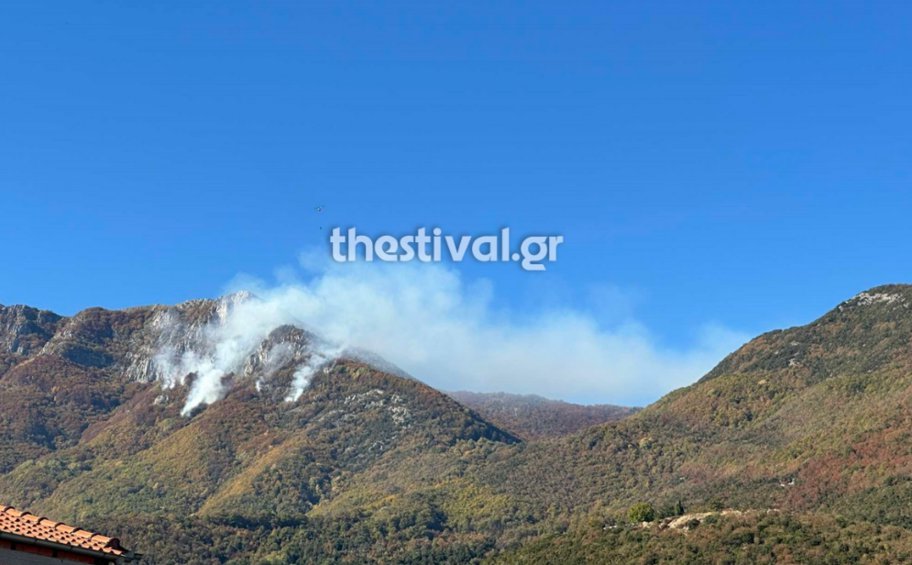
38	528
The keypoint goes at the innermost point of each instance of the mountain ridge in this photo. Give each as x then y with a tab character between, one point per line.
812	421
535	417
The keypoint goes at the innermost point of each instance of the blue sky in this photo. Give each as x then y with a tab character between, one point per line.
708	163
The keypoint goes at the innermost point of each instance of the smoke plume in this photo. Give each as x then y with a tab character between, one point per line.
446	332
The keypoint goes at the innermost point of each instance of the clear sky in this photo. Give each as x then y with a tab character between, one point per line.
739	164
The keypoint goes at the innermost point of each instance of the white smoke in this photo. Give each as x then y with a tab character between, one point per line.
428	321
305	372
224	345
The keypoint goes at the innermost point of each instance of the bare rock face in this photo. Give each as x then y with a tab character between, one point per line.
168	344
286	346
174	331
24	329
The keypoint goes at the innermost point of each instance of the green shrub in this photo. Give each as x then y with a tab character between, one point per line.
641	512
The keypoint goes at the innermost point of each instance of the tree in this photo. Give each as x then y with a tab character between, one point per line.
641	512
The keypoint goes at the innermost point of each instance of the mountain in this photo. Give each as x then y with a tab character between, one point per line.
533	417
182	431
91	430
812	422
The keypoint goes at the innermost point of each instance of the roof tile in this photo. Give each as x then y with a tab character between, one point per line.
36	527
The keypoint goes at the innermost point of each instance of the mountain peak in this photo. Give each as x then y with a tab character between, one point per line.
891	294
869	331
23	329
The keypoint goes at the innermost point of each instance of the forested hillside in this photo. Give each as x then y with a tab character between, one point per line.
534	417
795	448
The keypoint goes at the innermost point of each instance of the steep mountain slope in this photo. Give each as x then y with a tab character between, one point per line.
93	430
805	432
534	417
811	419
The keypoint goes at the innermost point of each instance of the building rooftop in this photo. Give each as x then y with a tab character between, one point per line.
38	528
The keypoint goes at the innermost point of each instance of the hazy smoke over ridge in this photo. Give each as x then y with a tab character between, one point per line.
426	320
240	327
